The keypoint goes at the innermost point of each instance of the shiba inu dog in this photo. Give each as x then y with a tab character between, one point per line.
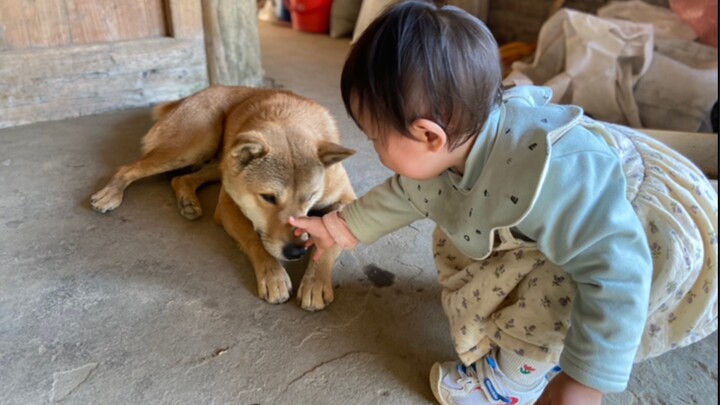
276	154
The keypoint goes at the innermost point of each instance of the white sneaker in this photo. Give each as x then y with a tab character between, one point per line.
482	383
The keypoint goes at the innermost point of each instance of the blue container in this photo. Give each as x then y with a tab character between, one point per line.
282	12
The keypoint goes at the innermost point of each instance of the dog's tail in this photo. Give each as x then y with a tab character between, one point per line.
163	109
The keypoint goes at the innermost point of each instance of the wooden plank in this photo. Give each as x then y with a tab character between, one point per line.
36	24
185	18
232	42
38	85
38	65
701	148
91	21
13	32
156	20
115	20
136	18
89	85
121	91
46	22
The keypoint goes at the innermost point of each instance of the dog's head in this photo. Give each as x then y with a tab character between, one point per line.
274	172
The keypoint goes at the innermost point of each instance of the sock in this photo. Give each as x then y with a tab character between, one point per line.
522	370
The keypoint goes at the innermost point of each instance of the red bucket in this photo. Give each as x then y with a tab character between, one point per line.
310	15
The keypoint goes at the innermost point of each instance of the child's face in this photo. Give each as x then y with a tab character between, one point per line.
404	156
420	157
414	157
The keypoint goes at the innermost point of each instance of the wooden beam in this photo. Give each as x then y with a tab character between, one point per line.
54	83
184	18
232	43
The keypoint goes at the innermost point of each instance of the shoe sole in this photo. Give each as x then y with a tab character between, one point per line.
435	380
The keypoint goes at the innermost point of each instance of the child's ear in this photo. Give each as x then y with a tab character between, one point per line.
430	133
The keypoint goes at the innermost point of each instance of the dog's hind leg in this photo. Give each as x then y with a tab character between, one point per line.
172	143
155	161
186	186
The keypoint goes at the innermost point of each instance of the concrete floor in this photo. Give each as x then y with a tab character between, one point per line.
144	307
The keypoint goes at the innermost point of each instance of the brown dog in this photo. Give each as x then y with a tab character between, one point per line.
276	154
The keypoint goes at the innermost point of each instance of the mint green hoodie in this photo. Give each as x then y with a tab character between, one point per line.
546	173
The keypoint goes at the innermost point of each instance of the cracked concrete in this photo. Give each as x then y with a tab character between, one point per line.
65	382
141	306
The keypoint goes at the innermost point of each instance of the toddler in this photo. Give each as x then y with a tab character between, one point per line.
560	241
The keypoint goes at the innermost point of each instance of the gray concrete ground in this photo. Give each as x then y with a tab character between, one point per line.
144	307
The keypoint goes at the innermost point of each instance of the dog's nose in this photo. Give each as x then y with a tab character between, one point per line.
294	252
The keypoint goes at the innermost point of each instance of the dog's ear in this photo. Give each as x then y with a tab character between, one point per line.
331	153
248	146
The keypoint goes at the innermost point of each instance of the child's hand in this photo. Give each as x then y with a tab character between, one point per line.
563	390
319	235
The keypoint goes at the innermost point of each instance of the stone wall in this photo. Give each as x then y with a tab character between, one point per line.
520	20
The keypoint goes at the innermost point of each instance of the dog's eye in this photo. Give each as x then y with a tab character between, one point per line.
269	198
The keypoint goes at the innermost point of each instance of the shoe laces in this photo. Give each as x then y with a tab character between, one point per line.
468	376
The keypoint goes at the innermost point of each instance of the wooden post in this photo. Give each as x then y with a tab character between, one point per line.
232	43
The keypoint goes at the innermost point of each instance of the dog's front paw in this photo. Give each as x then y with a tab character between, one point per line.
106	199
274	284
315	293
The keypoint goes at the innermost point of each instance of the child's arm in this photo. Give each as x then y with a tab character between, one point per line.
381	211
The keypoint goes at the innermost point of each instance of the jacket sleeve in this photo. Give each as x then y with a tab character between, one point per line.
384	209
583	222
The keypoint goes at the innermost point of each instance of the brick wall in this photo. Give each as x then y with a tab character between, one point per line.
520	20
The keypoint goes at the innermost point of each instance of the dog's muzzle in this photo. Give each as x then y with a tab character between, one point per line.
294	252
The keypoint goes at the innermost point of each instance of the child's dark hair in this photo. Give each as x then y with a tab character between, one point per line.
419	60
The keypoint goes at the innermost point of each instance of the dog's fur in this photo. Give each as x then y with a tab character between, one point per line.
277	155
